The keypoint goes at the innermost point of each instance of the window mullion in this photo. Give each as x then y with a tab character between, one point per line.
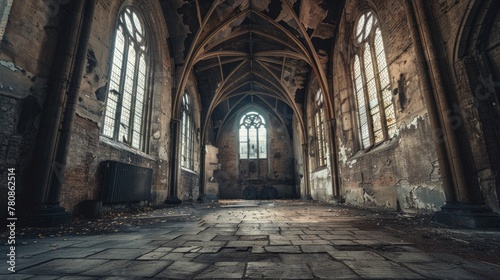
316	128
147	111
323	135
376	73
357	119
369	117
133	98
248	143
191	144
121	86
257	143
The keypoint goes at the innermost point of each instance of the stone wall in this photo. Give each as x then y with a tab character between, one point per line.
211	167
26	57
27	46
469	53
88	148
402	172
279	172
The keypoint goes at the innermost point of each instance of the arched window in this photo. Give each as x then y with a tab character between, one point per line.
253	136
187	132
128	89
319	124
5	6
375	109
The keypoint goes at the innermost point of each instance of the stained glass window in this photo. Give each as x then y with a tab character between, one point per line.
375	109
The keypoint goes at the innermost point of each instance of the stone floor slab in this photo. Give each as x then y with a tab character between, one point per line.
371	269
235	244
120	254
63	267
226	238
332	270
487	270
283	249
310	242
355	256
187	249
181	270
305	258
408	257
154	255
440	270
317	248
223	270
277	271
73	277
180	256
129	268
337	236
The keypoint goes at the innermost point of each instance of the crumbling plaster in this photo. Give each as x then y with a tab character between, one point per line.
88	148
400	173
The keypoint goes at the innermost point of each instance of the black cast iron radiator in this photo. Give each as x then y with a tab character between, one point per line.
125	182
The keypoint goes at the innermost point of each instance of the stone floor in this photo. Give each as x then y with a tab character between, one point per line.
243	240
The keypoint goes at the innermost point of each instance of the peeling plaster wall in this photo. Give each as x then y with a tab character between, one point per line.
298	160
470	49
280	171
211	167
27	48
321	184
87	148
189	179
403	172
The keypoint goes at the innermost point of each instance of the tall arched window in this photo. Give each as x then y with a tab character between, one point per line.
319	124
5	6
375	109
253	136
128	90
187	132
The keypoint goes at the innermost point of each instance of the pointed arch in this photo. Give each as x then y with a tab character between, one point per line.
125	113
375	113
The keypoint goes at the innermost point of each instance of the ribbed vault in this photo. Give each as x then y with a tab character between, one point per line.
251	51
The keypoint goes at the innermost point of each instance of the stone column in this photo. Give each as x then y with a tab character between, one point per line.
460	208
307	183
54	135
203	155
175	128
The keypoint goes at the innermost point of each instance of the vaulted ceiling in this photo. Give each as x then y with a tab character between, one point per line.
263	52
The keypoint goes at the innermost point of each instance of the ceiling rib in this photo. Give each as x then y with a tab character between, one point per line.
212	65
188	65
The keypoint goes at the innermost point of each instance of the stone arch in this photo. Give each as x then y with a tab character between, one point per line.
476	59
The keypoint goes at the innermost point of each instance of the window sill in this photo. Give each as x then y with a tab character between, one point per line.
188	170
117	145
319	169
386	145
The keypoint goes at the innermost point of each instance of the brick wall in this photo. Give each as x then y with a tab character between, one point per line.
26	53
398	173
88	149
279	172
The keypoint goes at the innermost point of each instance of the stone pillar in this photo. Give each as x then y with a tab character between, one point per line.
460	208
203	155
54	135
307	182
175	129
334	161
